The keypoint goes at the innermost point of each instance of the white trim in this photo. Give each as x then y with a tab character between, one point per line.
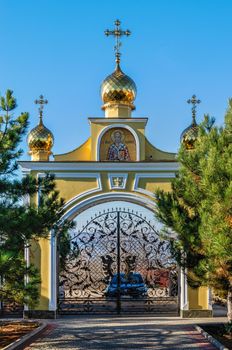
118	120
209	298
139	176
108	197
111	184
118	125
26	172
98	166
184	305
53	273
73	175
26	277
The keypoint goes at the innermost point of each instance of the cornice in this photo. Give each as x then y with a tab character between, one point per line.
118	120
27	166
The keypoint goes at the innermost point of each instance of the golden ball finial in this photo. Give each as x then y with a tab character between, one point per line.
118	88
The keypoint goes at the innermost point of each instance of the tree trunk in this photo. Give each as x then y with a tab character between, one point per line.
229	304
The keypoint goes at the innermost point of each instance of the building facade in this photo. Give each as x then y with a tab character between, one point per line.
117	170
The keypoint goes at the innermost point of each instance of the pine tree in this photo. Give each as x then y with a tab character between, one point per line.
20	221
199	208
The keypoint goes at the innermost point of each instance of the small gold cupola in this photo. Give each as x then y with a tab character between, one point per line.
190	134
118	90
40	139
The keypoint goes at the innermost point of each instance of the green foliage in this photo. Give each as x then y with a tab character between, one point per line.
228	328
11	133
13	274
199	208
22	221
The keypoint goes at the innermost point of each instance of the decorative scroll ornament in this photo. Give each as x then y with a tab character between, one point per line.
112	239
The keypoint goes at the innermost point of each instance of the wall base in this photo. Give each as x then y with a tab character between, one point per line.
47	314
196	313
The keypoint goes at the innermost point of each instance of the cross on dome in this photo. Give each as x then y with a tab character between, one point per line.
193	100
41	101
117	32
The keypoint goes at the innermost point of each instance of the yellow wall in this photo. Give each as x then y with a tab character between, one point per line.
198	298
154	154
40	257
70	188
88	150
151	184
82	153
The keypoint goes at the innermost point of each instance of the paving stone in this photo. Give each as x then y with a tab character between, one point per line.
122	333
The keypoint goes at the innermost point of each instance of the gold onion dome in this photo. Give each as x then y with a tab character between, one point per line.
190	134
118	88
40	138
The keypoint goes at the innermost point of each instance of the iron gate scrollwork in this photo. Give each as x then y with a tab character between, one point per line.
118	263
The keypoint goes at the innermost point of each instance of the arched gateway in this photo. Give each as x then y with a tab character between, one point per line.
119	261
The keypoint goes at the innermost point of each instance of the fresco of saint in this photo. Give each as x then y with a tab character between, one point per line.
118	150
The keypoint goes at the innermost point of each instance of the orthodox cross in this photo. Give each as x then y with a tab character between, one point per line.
194	103
117	33
41	101
118	181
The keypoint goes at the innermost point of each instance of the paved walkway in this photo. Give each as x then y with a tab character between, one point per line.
123	333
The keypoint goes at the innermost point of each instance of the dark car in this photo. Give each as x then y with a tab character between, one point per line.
130	285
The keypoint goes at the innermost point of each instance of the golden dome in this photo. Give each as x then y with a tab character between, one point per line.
189	136
40	138
118	88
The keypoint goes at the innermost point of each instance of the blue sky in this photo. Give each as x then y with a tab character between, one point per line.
58	48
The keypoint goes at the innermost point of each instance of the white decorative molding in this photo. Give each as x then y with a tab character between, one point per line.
26	277
117	181
109	197
210	299
53	273
26	172
184	304
118	125
139	176
98	166
118	120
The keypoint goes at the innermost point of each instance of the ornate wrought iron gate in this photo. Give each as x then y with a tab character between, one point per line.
118	263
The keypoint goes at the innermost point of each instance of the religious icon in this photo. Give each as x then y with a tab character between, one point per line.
118	150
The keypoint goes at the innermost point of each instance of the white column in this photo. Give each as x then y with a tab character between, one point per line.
26	202
27	260
183	290
53	273
210	302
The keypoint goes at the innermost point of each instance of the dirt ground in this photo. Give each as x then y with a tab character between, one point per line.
13	330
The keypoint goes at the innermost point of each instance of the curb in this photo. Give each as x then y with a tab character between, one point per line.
211	339
26	339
